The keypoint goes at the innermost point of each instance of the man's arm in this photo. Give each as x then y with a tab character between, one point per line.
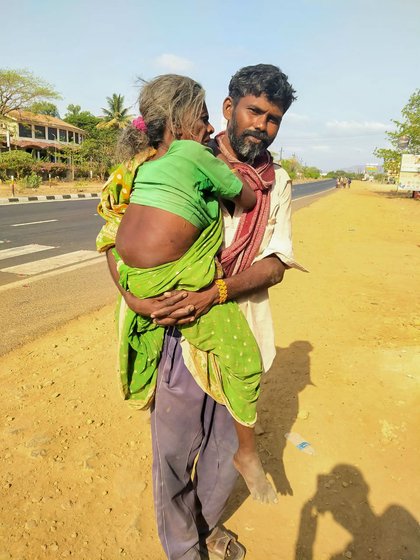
268	271
264	273
181	307
260	275
112	267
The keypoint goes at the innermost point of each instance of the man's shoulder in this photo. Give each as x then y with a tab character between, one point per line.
282	177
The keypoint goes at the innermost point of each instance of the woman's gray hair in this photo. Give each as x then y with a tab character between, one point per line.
167	100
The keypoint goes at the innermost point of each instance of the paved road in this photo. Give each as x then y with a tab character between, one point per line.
38	237
70	224
36	234
306	189
49	292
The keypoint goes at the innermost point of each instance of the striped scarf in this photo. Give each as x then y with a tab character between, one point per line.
252	224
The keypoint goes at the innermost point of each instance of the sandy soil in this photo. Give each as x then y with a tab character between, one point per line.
75	461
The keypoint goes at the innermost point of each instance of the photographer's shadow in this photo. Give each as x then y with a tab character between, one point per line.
344	493
278	408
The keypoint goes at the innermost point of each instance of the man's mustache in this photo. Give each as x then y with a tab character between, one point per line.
263	136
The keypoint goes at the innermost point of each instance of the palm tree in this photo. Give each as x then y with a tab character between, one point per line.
115	116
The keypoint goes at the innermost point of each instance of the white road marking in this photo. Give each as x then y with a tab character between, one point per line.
26	282
37	267
33	223
23	250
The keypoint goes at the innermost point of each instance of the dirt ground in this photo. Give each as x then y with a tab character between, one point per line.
75	460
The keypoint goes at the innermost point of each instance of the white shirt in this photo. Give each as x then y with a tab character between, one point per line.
277	241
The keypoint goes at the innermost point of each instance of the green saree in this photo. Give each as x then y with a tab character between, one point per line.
229	359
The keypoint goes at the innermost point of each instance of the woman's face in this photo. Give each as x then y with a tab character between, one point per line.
201	129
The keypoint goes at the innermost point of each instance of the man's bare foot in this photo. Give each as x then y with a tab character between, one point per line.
250	467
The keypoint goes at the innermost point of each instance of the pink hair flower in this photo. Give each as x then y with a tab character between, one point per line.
140	124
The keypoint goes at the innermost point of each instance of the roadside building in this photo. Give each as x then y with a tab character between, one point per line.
43	136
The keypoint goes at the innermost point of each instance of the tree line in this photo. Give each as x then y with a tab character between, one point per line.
94	157
406	137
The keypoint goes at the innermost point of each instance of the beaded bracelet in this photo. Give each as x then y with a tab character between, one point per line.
223	293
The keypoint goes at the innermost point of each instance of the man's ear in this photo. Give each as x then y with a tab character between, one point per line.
228	108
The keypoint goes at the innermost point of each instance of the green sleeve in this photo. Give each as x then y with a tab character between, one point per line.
224	182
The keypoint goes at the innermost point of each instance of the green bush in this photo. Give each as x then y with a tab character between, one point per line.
32	181
16	163
311	172
290	166
47	168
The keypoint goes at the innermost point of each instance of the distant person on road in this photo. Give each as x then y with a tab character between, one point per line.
348	182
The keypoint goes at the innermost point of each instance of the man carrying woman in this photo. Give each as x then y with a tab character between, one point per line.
191	423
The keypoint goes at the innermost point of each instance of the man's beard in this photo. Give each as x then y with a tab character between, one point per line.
245	150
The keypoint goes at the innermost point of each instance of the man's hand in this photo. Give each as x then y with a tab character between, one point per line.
174	310
165	305
178	307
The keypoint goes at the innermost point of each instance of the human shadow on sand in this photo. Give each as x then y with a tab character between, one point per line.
278	408
394	535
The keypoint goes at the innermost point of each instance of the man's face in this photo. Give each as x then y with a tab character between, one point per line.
253	124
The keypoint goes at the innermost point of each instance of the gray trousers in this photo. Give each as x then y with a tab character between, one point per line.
185	421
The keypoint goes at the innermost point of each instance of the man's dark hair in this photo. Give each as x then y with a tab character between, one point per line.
262	79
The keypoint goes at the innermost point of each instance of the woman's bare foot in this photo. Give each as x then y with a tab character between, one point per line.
250	467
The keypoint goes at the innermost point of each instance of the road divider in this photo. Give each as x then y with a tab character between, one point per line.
47	198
